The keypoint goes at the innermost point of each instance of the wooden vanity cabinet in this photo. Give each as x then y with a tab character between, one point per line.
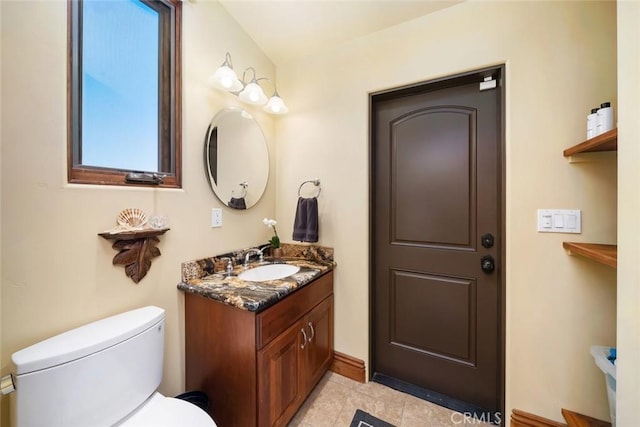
293	363
258	368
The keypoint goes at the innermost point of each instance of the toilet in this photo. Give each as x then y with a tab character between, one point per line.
105	373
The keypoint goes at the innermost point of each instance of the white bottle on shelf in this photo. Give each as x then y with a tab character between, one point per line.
591	123
604	121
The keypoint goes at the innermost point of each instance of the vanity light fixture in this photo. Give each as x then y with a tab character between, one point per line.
226	79
252	92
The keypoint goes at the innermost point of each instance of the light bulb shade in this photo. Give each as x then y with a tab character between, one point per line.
276	106
253	94
226	79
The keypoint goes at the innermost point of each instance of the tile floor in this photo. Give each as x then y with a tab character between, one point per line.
336	398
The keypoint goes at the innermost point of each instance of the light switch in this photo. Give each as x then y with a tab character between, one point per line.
559	221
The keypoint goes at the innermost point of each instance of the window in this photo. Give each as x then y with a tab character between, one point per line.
124	95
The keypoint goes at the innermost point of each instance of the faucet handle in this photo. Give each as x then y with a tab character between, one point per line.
261	254
229	268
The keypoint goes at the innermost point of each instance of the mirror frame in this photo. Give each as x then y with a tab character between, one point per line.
258	147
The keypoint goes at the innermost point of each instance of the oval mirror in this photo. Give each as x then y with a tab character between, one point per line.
236	158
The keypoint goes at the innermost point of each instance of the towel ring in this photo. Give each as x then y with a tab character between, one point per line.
315	182
244	186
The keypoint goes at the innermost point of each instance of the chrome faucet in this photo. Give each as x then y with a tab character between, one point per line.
257	251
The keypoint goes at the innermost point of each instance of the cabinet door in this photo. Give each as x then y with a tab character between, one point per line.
319	349
281	389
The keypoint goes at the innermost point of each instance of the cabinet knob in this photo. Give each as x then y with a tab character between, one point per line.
304	336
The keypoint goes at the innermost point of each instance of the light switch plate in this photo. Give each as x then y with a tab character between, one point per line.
560	221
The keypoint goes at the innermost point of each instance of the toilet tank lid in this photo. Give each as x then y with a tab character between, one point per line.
85	340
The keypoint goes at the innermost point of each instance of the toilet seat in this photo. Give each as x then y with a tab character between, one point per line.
161	411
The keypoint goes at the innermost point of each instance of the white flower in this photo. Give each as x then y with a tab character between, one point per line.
275	240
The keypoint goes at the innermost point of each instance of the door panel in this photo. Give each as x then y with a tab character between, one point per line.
319	350
420	304
281	386
430	148
437	180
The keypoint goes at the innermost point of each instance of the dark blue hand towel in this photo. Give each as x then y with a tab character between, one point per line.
238	203
305	226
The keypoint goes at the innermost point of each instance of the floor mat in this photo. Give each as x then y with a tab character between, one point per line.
363	419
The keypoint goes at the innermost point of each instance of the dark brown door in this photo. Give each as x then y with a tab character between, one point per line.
436	190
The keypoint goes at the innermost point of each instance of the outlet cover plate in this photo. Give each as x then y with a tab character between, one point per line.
216	217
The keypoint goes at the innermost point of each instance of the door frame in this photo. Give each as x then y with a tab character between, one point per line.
428	86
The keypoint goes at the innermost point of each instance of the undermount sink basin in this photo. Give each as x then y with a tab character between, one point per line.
268	272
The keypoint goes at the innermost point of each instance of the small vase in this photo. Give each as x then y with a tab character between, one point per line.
276	252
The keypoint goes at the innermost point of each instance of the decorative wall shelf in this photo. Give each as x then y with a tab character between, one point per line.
580	420
607	141
604	254
135	250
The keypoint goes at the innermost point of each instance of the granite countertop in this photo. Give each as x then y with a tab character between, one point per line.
206	277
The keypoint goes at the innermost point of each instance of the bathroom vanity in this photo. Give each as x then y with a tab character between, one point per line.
258	366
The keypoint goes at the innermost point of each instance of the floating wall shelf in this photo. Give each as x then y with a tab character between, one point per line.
135	250
604	254
607	141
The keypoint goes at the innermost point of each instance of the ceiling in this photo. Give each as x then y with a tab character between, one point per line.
289	29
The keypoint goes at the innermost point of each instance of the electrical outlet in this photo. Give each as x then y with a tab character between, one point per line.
216	217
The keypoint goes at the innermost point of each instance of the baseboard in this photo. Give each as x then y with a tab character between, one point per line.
525	419
348	366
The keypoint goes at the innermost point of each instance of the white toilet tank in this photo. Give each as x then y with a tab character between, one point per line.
93	375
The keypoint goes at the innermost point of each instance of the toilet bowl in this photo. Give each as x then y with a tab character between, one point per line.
161	411
105	373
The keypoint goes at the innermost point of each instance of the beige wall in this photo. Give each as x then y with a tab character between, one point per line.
628	369
560	61
56	272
